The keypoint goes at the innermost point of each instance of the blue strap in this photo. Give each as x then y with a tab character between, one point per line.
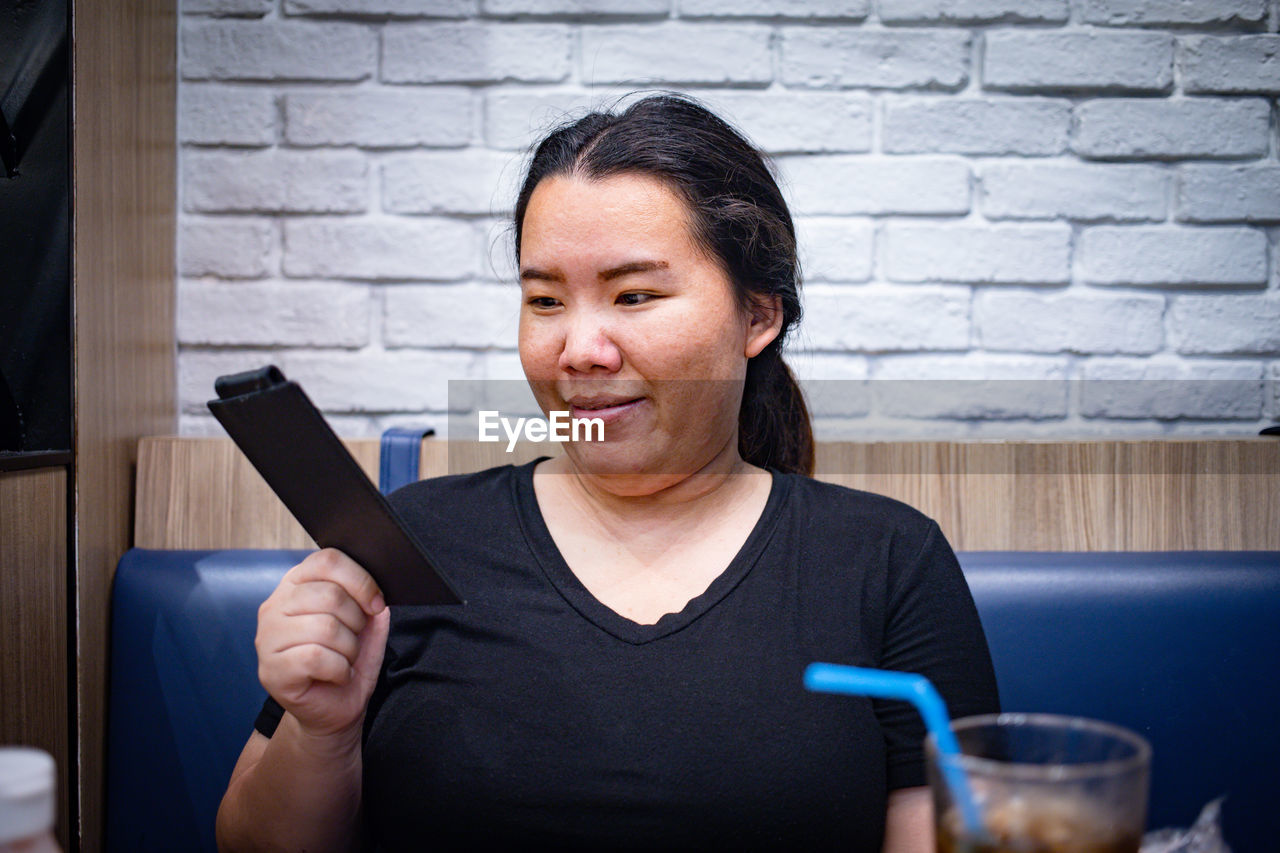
398	463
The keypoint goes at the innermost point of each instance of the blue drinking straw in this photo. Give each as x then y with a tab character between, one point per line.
916	689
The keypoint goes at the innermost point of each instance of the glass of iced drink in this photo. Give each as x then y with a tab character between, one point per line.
1043	783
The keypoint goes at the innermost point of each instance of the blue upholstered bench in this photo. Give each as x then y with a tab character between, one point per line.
1180	646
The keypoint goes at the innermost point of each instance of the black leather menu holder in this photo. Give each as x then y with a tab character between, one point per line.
286	438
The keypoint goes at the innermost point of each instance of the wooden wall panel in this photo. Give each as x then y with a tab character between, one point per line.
1157	495
124	171
33	633
1056	496
204	493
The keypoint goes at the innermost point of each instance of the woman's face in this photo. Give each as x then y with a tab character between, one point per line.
624	318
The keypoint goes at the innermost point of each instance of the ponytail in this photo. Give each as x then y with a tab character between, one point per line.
774	430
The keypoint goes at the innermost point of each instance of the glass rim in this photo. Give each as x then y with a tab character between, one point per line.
1025	770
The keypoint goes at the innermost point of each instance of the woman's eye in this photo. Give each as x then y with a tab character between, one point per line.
542	302
635	298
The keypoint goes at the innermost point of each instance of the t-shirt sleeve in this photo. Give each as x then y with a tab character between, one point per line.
931	628
268	717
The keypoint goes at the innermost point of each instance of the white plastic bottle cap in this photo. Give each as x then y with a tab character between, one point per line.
26	792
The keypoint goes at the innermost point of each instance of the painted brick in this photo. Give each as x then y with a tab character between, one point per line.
886	318
452	315
809	122
1069	322
227	255
227	8
1154	12
1231	63
1143	255
1221	193
475	53
676	53
345	426
823	57
382	8
840	184
629	8
1002	254
1144	388
230	248
515	119
1273	392
1047	59
277	50
971	386
512	398
275	181
500	385
1221	325
217	115
777	122
273	313
1081	191
375	381
973	11
380	118
832	402
1187	127
824	9
499	366
399	249
973	126
1229	193
835	249
468	182
197	370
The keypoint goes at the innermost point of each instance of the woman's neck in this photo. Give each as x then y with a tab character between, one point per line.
654	502
645	555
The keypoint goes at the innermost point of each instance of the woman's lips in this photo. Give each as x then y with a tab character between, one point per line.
609	413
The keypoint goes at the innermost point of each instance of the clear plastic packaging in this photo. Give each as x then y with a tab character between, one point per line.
1204	836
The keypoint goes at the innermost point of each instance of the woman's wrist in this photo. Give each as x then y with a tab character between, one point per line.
325	744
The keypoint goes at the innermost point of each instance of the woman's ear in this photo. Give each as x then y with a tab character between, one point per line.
764	322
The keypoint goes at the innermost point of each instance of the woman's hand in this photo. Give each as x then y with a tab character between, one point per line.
321	637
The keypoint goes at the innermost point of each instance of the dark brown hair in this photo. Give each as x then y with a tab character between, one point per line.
738	217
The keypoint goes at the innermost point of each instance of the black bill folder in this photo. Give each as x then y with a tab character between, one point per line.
286	438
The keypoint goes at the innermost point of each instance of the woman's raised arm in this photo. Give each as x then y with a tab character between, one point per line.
321	638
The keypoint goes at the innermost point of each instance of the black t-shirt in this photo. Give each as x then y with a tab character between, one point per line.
535	713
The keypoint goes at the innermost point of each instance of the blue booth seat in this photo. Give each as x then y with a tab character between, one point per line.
1182	647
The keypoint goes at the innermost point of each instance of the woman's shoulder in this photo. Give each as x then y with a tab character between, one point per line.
460	493
822	499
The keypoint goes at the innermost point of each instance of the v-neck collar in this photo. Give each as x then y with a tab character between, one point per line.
566	583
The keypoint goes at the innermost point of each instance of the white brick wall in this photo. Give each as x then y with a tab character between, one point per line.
1066	213
1039	60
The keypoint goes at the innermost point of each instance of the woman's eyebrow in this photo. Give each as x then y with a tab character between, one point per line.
633	267
535	274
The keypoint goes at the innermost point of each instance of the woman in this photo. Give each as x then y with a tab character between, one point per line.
626	671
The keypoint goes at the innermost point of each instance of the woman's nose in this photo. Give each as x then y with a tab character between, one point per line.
588	346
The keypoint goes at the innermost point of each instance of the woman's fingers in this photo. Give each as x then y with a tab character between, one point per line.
332	565
294	670
325	597
320	629
321	636
373	644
